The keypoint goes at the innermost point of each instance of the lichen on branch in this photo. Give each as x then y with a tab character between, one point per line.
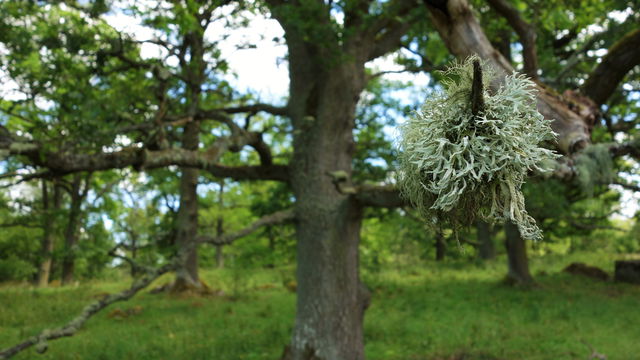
456	166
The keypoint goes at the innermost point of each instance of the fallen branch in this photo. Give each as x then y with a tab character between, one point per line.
40	340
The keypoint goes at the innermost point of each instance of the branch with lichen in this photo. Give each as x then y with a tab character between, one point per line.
69	329
466	154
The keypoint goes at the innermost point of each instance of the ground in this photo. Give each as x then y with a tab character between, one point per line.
433	311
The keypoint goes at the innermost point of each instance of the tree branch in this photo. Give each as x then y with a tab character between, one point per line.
271	219
389	28
621	58
387	196
66	162
525	31
630	149
627	186
462	34
74	325
254	108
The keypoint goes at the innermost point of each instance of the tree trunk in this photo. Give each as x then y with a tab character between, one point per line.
331	300
440	245
220	227
78	193
487	250
44	271
187	222
517	257
134	251
219	248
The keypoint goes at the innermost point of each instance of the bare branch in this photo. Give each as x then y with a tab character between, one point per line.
137	267
627	185
621	58
388	29
271	219
69	329
630	149
254	108
525	31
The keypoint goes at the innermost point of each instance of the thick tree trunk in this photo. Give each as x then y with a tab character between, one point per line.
44	271
440	245
71	232
187	222
487	250
331	300
517	257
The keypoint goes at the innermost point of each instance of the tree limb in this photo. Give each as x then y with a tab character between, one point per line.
389	28
387	196
271	219
525	31
627	186
623	56
69	329
254	108
66	162
463	36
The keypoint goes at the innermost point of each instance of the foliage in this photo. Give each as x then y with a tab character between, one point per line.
455	166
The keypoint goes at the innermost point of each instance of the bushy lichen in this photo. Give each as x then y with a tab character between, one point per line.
594	166
456	166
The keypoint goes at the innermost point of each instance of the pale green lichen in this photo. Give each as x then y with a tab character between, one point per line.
594	166
456	167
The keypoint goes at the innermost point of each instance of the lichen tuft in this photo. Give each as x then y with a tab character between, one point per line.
455	166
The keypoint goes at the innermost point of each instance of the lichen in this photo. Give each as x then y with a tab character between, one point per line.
594	166
455	166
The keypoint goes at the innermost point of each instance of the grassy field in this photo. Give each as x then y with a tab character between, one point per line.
433	311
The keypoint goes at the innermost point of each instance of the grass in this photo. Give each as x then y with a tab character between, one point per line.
452	310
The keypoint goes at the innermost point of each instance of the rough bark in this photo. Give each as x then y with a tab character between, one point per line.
324	90
487	250
463	35
78	192
518	264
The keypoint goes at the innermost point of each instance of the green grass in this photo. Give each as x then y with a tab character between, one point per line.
431	311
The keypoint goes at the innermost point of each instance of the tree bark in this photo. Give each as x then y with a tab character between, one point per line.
44	271
487	250
518	273
77	194
331	300
187	222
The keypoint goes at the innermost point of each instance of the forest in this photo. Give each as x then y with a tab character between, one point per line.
320	179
